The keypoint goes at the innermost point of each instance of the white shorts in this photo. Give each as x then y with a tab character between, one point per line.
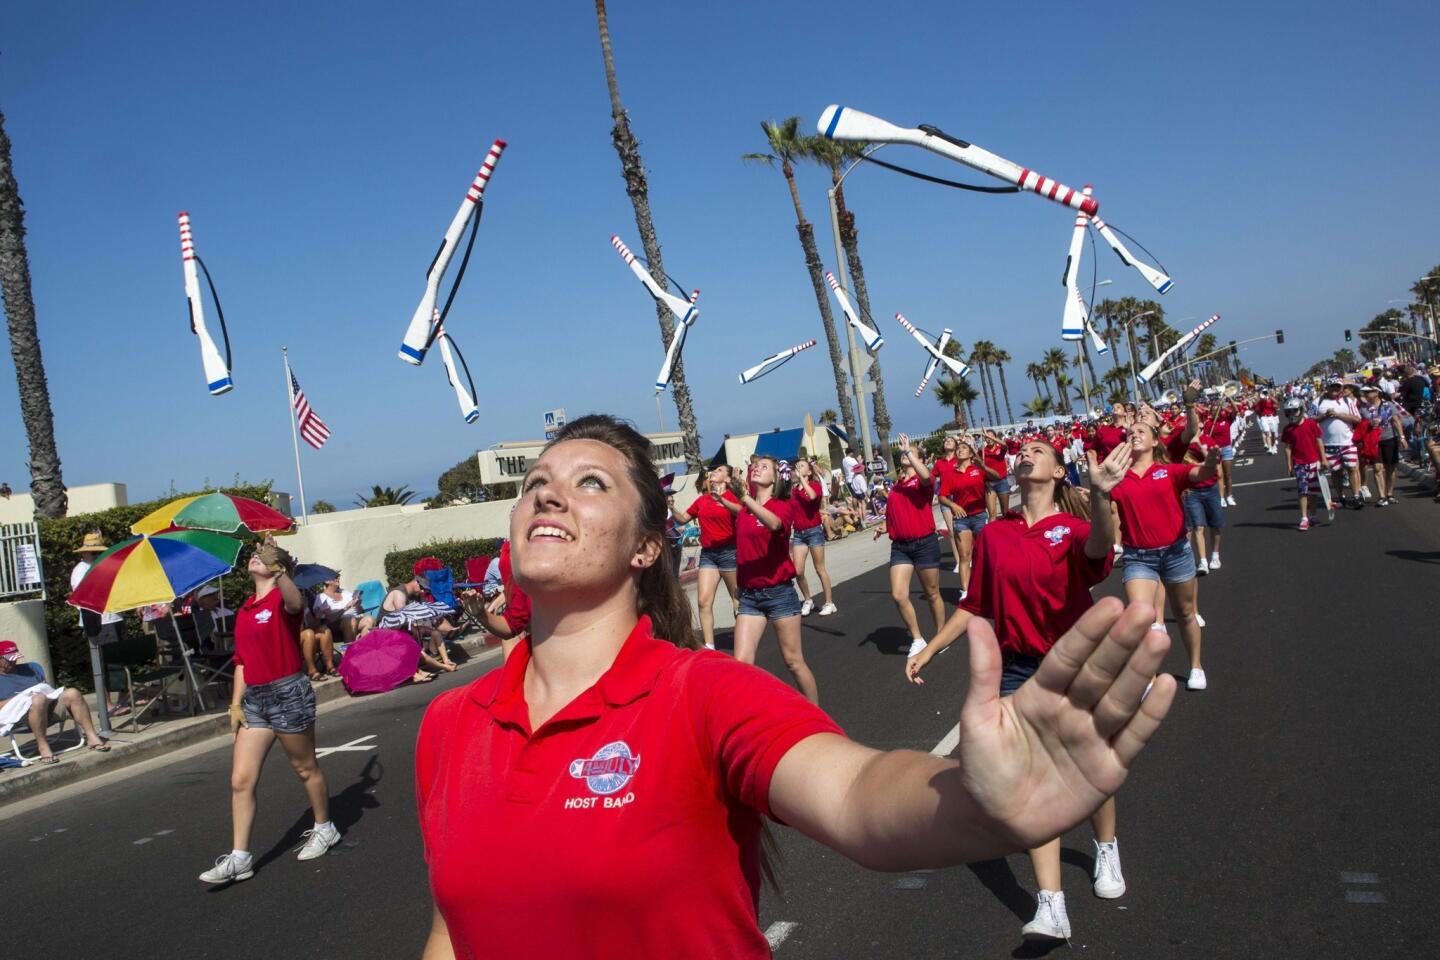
1270	425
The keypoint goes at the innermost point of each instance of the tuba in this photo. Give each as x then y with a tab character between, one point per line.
1230	389
1171	397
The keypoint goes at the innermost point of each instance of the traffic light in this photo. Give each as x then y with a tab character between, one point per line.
1347	336
1233	349
1279	336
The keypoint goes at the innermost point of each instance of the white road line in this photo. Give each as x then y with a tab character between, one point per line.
1256	483
143	840
1349	876
778	931
948	743
1364	896
354	746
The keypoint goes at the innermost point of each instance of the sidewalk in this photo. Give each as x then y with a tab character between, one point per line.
164	735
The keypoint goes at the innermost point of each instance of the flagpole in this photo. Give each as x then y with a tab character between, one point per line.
294	436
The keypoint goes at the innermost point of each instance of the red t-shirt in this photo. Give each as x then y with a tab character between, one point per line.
941	469
966	489
1194	450
1012	446
1107	438
762	555
517	601
1304	441
1058	441
627	826
908	515
1149	504
1033	583
806	511
717	524
1265	407
994	457
267	639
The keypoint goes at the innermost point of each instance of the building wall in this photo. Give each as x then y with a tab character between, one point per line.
87	498
24	622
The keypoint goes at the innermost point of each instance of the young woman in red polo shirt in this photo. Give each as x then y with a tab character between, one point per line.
766	572
914	548
996	456
717	546
1032	577
962	496
807	539
618	781
273	700
941	468
1158	562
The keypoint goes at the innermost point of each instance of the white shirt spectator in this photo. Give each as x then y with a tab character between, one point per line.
331	610
1335	432
78	574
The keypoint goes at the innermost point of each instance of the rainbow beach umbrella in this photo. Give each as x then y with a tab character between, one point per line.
219	512
154	569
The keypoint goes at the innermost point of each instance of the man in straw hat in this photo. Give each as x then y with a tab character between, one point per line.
101	629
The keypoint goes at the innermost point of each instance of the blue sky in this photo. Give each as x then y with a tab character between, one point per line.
1279	158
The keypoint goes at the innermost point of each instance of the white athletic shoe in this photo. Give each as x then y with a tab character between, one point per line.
230	869
964	594
1214	561
916	646
828	609
1202	568
1051	921
1196	680
807	607
1157	625
1109	881
1199	620
318	841
1231	498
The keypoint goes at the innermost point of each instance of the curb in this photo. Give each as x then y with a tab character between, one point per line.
76	767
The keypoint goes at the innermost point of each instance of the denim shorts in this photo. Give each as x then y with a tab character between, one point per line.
999	486
718	558
1227	453
286	705
923	553
1015	669
772	603
809	536
973	522
1172	564
1202	507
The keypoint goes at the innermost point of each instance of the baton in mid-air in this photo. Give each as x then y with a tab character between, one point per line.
771	364
936	351
217	368
685	311
1145	376
871	336
422	331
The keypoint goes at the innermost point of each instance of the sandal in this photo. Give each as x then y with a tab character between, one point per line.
426	679
101	747
50	759
316	676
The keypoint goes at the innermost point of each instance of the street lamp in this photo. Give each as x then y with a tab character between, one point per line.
1421	303
842	277
1130	342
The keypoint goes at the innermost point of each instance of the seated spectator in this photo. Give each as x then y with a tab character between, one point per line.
335	615
404	609
24	695
210	619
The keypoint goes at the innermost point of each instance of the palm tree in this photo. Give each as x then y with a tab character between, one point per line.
956	394
1372	347
1063	383
786	146
1106	319
1000	358
828	416
1039	407
834	154
46	484
1038	374
1055	363
632	168
385	496
981	352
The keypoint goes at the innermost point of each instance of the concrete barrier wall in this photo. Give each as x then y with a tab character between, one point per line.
24	622
356	541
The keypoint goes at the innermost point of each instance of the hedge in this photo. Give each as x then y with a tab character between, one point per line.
69	651
400	564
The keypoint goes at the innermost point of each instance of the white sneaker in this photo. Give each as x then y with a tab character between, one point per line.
916	646
807	607
709	646
957	569
1231	499
230	869
1157	625
1109	881
1196	680
1051	921
1365	492
1199	620
1214	561
318	841
828	609
1202	568
964	594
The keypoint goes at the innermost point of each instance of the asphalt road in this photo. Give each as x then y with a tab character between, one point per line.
1286	811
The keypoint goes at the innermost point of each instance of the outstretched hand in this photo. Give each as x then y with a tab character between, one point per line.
1110	471
1040	761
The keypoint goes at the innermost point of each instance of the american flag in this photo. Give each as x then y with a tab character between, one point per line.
312	429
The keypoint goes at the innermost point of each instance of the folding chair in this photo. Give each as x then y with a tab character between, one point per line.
475	568
23	726
372	596
133	664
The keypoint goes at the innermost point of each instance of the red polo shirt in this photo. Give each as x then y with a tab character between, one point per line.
908	514
965	487
941	469
1107	438
806	510
1265	407
628	825
1033	583
267	638
717	524
1149	504
762	555
517	601
994	457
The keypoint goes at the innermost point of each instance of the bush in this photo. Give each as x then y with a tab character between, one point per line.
69	651
400	564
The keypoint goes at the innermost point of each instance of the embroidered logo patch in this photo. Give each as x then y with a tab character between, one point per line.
1160	474
263	616
1057	535
609	770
